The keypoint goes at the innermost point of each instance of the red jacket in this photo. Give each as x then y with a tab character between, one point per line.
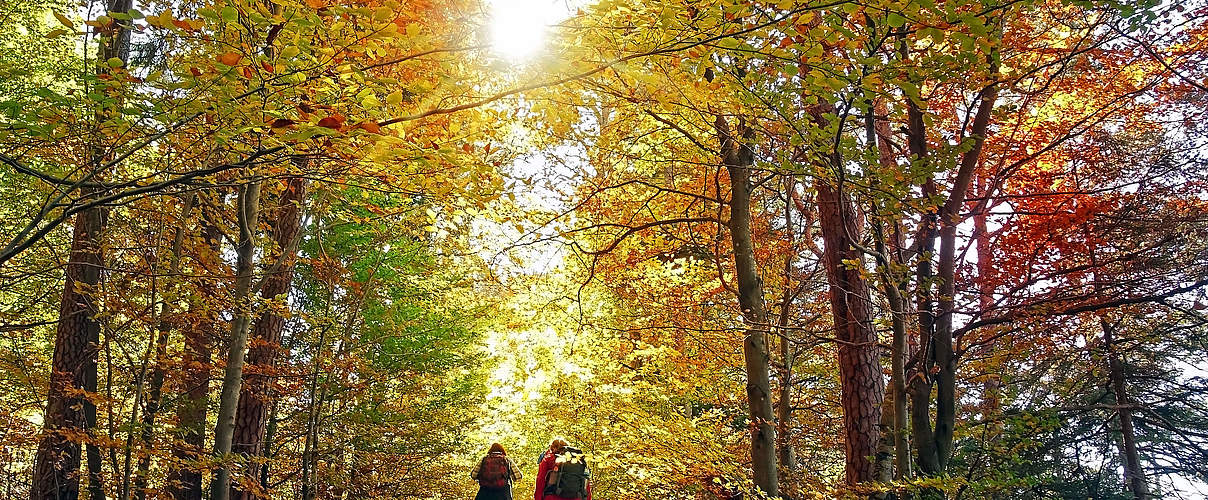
543	477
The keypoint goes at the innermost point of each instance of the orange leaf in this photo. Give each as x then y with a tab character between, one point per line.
333	121
247	72
316	4
371	127
195	71
230	58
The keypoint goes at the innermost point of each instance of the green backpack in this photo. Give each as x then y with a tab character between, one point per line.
568	479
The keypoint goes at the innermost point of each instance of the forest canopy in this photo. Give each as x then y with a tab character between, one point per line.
794	249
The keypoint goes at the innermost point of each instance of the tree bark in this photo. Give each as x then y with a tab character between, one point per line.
73	367
862	385
738	160
249	203
265	342
934	442
991	398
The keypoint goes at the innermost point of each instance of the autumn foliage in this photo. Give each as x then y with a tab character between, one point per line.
795	249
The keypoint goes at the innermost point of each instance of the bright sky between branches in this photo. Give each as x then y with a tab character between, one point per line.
519	27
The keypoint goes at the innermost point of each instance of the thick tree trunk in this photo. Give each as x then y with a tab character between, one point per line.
185	483
738	160
73	367
862	385
254	399
232	379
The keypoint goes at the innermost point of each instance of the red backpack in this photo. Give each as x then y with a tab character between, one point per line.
494	471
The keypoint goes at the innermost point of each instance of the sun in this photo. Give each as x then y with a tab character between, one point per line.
519	27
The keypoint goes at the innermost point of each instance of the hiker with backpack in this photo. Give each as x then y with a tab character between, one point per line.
495	474
563	474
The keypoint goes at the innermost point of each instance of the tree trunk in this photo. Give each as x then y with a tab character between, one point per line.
897	380
991	404
738	160
934	443
945	411
249	203
73	367
1134	475
184	483
262	356
784	408
862	385
893	285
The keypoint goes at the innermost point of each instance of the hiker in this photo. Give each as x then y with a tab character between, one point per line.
563	474
495	474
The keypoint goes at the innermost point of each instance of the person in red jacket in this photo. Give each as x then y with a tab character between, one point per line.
547	465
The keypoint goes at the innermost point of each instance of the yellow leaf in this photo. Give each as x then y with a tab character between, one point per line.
394	98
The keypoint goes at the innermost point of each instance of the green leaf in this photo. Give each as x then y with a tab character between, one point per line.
229	14
896	20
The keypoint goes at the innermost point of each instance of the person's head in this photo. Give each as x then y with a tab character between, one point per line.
557	445
498	448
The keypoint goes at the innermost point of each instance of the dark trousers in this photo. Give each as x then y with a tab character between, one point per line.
485	493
